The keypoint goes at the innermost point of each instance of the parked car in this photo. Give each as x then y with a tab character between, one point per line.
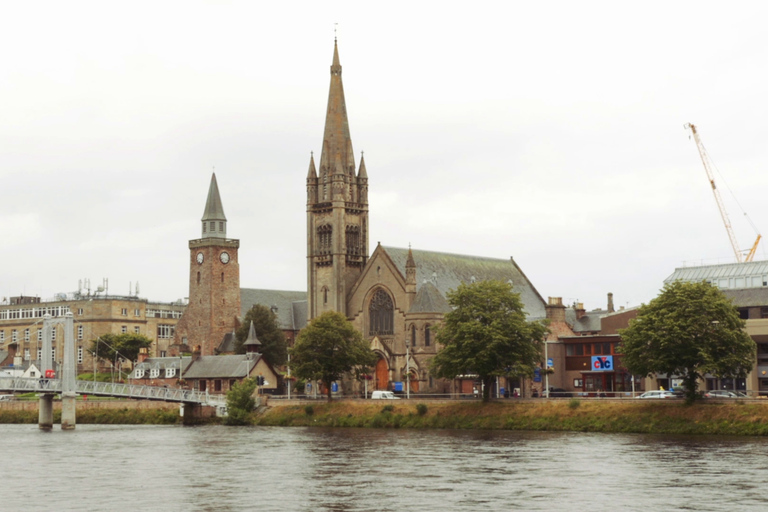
657	394
559	393
7	398
384	395
721	393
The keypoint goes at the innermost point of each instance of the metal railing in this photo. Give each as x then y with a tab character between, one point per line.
121	390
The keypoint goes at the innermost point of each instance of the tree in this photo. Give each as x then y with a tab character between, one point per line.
487	334
273	345
240	402
689	330
328	348
126	345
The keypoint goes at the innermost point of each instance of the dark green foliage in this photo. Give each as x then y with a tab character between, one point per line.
690	330
388	408
328	348
273	345
127	346
487	335
574	403
309	410
421	409
240	402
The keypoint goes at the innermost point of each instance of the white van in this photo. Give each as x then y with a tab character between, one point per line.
384	395
6	398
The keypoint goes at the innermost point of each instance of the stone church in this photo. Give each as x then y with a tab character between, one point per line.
394	296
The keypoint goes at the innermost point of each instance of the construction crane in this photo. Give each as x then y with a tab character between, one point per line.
740	257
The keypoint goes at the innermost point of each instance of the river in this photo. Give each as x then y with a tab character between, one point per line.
217	468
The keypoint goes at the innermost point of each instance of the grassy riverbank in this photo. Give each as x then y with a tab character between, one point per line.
732	418
125	416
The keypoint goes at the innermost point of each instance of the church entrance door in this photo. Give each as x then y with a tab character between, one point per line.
382	375
414	383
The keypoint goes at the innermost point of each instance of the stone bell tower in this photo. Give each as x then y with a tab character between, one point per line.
214	282
337	210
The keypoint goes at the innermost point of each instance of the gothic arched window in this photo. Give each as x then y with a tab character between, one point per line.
413	335
381	313
426	336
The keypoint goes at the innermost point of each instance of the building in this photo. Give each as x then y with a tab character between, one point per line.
95	314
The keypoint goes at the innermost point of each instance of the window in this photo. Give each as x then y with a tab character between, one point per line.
26	334
2	336
381	313
426	336
221	226
79	311
13	335
39	354
138	373
165	331
154	373
137	330
80	355
198	278
124	329
136	312
763	312
26	354
162	353
577	383
204	227
170	372
124	311
213	226
39	335
413	335
79	332
53	333
53	354
217	385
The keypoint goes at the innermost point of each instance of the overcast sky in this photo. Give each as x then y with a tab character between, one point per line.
551	132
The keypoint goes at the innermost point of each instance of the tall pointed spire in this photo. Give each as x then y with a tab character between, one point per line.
252	343
336	137
214	220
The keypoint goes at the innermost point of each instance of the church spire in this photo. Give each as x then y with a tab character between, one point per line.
336	137
214	220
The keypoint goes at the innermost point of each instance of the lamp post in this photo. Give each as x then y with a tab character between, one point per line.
407	369
546	368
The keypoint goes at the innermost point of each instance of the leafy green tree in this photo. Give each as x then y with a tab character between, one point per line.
487	334
240	402
689	330
126	345
273	345
328	348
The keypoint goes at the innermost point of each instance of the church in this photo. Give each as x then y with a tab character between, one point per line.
393	296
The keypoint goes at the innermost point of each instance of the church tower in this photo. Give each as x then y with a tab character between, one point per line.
337	209
214	282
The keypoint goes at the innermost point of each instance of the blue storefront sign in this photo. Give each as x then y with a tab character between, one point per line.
335	387
537	375
602	363
550	363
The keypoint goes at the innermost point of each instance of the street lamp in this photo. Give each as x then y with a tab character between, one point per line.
407	369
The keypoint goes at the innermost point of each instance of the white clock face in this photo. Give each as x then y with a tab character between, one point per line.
200	258
224	257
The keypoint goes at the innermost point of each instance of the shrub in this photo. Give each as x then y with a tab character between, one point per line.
240	402
421	409
309	410
574	403
388	408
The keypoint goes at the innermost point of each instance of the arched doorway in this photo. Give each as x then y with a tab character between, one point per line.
382	375
414	382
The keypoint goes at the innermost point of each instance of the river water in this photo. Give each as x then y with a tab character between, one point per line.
217	468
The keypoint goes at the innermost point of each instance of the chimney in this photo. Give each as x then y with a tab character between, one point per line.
196	352
143	354
555	309
610	303
580	311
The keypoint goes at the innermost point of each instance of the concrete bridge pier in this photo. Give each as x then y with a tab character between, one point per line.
68	411
45	413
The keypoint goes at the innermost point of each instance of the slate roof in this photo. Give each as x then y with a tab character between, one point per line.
429	300
161	363
710	272
227	343
748	297
291	306
447	271
221	367
590	322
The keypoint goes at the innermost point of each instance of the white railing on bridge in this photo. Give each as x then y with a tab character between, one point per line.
121	390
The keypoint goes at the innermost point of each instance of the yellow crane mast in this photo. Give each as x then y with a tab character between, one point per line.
708	168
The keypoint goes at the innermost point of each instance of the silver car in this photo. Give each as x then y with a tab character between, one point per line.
657	394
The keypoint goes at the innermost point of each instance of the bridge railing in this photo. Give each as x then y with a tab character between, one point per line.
88	387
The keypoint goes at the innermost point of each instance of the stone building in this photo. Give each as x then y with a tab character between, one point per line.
95	314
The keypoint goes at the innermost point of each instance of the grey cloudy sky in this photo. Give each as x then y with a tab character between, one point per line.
547	131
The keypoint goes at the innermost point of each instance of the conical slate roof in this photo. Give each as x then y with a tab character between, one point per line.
429	300
213	207
336	137
252	343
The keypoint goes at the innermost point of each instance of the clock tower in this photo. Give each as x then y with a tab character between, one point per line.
214	282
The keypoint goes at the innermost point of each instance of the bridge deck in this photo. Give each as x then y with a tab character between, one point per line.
88	387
